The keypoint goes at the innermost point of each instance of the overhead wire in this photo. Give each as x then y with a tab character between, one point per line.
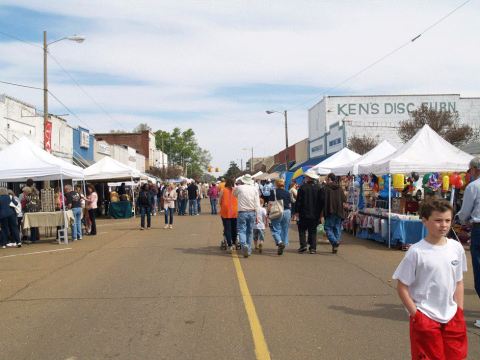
390	53
70	110
20	85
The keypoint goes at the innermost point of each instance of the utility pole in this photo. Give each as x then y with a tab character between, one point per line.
45	90
286	140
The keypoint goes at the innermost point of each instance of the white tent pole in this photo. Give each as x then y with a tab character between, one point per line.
133	198
65	227
389	208
452	196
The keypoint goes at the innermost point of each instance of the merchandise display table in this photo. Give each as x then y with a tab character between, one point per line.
46	219
120	209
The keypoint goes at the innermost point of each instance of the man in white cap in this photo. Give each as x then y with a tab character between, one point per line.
248	204
309	207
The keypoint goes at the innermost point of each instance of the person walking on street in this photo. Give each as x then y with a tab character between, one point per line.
229	213
293	190
281	225
334	211
259	227
8	220
169	197
248	205
145	204
309	207
213	195
192	198
470	212
74	202
92	199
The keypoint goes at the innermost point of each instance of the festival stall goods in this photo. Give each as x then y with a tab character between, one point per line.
341	158
427	153
23	160
111	169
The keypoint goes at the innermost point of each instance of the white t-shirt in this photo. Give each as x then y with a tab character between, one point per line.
431	273
261	215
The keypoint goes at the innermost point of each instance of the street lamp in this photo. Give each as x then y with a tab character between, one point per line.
286	133
75	38
251	160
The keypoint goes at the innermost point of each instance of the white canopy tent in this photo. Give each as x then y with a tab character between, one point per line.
110	169
341	158
425	152
23	159
378	152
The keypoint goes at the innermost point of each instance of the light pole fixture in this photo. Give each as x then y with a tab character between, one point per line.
46	127
251	159
269	112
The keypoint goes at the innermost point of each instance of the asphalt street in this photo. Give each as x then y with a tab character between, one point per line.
173	294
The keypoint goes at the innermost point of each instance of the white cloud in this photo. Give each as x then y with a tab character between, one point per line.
181	52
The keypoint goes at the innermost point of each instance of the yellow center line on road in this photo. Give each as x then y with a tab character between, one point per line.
261	348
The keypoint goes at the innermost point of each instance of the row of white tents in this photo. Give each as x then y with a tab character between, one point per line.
23	159
425	152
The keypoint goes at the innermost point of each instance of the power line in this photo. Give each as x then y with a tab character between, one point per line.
20	85
21	40
84	91
361	71
70	110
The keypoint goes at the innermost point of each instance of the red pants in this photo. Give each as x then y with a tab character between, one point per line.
431	340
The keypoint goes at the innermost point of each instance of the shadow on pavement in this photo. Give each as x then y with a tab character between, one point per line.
208	250
382	311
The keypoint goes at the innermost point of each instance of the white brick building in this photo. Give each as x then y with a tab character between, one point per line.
335	119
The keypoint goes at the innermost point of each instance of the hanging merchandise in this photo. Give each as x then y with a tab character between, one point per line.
445	183
398	182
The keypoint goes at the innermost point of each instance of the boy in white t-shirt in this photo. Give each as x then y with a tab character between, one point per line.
430	285
259	227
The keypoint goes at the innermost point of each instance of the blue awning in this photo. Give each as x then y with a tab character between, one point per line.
310	162
281	167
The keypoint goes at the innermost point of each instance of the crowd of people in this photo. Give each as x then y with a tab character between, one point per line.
13	208
249	207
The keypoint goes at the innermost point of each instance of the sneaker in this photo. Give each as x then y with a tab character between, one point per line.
230	249
245	251
4	247
302	250
166	226
170	226
334	249
312	251
142	228
260	248
19	244
477	323
281	246
11	244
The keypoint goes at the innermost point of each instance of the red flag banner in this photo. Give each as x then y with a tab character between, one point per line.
47	139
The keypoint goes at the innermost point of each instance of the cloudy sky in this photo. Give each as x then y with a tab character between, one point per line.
216	66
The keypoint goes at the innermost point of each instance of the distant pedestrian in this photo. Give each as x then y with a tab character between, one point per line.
182	199
248	204
193	193
281	225
213	195
92	200
8	220
169	196
260	226
229	214
430	285
145	204
334	211
73	201
309	207
293	190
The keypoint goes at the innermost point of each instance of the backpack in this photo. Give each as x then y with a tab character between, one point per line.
143	199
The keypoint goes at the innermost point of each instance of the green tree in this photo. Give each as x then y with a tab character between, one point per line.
183	150
142	127
233	171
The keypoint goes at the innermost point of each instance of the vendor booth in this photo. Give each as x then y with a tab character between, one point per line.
23	160
108	169
426	165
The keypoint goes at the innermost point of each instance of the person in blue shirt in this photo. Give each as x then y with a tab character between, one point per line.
470	212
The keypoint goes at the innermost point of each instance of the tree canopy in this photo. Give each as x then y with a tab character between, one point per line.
183	150
446	124
363	144
233	171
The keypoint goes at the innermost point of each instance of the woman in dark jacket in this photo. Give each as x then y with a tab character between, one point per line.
145	205
8	219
